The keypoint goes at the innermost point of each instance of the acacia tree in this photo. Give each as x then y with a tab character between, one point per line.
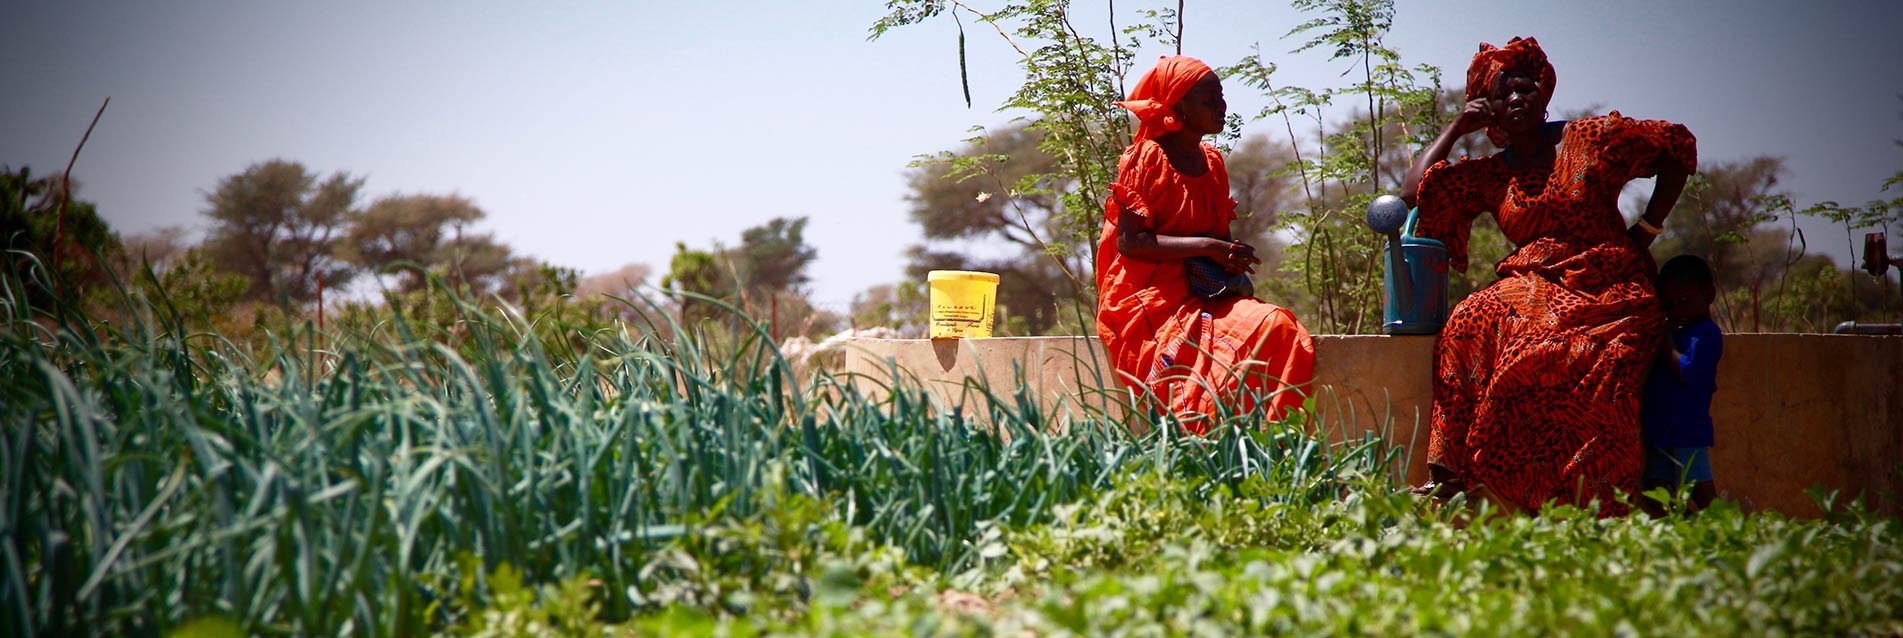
975	191
772	257
276	224
415	236
770	264
1263	190
764	276
999	186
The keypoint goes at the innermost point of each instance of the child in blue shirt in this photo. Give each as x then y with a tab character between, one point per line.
1676	410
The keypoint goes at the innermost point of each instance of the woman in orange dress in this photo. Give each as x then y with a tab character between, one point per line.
1170	202
1537	376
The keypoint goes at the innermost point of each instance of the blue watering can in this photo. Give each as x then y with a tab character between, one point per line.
1416	275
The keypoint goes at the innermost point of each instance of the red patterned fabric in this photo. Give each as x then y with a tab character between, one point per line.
1536	386
1190	352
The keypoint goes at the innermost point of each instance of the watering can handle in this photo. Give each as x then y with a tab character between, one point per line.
1397	266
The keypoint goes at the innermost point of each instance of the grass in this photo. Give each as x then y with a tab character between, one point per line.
380	482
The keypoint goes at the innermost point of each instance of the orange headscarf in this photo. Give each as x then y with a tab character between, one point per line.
1521	55
1155	96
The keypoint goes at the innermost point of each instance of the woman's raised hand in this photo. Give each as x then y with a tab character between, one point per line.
1475	116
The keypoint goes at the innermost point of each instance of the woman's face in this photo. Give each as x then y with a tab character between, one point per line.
1518	105
1202	109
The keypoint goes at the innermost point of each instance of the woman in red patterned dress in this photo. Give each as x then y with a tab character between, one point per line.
1170	202
1537	376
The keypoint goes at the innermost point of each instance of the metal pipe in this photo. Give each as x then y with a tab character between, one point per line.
1855	328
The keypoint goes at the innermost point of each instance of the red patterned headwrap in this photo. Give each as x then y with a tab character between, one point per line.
1522	55
1156	94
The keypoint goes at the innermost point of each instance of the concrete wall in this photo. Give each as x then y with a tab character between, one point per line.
1792	411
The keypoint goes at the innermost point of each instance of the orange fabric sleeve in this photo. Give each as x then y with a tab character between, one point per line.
1665	145
1226	204
1136	170
1451	196
1629	149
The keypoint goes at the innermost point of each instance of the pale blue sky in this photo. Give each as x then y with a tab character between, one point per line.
597	134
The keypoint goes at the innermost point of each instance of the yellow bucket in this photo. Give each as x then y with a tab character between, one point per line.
962	303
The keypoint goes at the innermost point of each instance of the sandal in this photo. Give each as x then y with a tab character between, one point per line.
1441	484
1441	490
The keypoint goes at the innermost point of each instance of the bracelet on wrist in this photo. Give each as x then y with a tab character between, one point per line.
1649	228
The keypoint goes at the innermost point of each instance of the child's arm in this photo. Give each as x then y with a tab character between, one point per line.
1699	362
1668	353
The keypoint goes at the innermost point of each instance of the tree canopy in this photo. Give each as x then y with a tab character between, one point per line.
413	236
280	226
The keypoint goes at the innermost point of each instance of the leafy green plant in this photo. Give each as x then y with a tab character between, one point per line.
1162	555
642	484
324	481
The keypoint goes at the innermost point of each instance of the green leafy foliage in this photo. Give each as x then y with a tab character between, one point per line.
326	481
35	227
194	292
385	483
697	272
1157	555
773	256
